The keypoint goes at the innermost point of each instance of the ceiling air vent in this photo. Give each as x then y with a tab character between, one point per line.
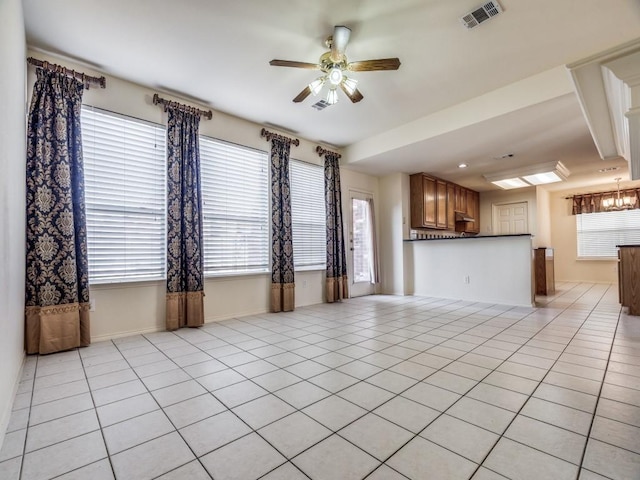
480	14
321	105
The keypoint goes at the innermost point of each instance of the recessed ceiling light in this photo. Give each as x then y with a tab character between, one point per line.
463	165
608	169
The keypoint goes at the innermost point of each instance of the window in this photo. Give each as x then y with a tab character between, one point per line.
235	197
308	217
124	167
599	233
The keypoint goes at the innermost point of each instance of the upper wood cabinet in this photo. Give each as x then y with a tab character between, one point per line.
441	204
434	204
451	205
423	201
461	199
428	202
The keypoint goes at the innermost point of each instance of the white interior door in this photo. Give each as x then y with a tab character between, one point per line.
361	247
511	218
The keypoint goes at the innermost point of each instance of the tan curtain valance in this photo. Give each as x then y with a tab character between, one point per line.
592	202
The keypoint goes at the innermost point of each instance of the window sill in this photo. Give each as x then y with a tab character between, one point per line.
596	259
132	284
225	276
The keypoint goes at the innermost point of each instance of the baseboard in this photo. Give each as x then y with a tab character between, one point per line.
128	333
246	313
6	415
599	282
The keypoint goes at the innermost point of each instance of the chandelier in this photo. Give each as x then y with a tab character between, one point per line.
618	202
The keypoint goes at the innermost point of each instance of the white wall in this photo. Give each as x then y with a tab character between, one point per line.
564	239
394	218
12	202
543	213
140	307
499	269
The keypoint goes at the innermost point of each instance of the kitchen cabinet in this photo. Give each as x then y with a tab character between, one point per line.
435	202
423	201
473	210
461	199
451	206
441	204
471	203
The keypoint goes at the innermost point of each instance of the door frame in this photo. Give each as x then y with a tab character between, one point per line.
360	288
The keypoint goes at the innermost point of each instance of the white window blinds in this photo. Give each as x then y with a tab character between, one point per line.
599	233
124	168
308	217
235	194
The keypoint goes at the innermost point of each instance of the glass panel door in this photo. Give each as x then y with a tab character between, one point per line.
362	248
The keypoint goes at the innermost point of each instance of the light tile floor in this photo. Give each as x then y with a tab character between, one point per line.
381	387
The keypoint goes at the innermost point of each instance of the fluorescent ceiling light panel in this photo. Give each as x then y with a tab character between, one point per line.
509	183
542	178
527	176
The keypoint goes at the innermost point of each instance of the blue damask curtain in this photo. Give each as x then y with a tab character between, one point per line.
337	284
57	274
185	304
282	273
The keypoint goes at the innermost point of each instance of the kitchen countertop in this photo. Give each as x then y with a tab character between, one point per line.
468	237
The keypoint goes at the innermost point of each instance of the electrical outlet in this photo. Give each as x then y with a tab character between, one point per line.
92	305
304	284
467	279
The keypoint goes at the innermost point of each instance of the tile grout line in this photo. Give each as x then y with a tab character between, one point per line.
398	323
164	413
481	464
26	433
595	410
464	395
477	382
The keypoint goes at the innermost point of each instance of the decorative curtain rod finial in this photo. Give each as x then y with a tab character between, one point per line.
87	80
168	104
322	151
269	135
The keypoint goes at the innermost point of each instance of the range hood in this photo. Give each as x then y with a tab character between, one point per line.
463	217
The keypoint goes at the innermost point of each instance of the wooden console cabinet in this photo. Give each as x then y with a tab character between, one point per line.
543	269
629	277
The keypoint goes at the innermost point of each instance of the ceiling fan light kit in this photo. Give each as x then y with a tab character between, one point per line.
334	64
332	96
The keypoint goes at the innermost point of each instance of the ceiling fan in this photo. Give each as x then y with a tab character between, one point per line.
333	64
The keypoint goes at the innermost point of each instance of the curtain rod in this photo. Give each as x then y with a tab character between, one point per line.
87	80
269	135
157	99
321	151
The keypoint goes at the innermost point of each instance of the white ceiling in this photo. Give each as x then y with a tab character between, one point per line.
218	52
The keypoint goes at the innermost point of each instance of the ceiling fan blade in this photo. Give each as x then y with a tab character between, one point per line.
302	95
339	42
291	63
355	97
373	65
